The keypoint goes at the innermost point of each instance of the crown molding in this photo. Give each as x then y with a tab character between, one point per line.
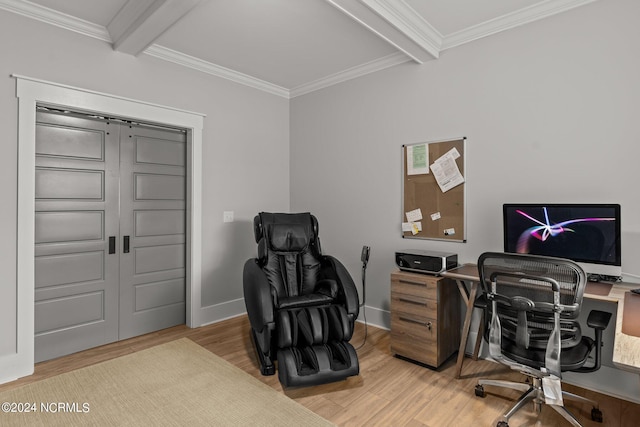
402	16
68	22
215	70
53	17
396	12
351	73
511	20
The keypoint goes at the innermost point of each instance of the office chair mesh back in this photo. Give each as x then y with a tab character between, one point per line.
532	278
532	326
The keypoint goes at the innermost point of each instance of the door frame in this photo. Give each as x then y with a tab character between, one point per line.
31	92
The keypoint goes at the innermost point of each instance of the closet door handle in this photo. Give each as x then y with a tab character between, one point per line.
125	249
112	244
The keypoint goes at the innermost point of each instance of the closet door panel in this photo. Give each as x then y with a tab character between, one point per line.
152	216
76	279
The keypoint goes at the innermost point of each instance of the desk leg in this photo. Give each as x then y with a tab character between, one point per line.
466	326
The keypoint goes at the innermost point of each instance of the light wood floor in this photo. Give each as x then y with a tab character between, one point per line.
388	392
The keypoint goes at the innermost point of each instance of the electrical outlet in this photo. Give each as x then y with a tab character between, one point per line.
227	216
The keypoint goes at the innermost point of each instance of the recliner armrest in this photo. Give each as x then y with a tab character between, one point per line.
333	269
598	319
257	295
328	287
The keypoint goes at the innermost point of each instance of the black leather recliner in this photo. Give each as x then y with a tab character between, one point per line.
302	305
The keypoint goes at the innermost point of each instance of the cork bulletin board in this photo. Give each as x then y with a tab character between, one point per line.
433	190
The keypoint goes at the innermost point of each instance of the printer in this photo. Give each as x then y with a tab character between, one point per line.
427	262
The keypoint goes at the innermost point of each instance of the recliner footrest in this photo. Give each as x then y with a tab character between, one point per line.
318	364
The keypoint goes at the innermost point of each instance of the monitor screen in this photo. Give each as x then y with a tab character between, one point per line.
585	233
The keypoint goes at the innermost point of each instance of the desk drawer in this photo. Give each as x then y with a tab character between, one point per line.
414	305
421	286
415	337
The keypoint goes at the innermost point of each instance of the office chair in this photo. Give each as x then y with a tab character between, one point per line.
531	326
302	305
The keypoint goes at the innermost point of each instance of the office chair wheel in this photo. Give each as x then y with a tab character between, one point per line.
502	424
596	415
480	391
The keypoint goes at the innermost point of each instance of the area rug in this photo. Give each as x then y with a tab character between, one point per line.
174	384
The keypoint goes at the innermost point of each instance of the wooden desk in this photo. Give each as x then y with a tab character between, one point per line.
466	273
626	350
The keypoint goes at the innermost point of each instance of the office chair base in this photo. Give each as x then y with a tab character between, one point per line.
534	393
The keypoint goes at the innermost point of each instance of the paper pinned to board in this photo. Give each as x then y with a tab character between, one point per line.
413	227
446	172
417	159
453	153
435	216
414	215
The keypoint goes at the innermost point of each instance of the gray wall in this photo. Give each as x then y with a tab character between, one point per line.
245	138
550	110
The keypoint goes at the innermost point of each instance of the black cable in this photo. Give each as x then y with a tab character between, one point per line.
364	299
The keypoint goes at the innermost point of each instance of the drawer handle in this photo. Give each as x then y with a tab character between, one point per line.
411	282
410	301
418	322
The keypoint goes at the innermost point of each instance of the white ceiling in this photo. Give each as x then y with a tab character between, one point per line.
289	47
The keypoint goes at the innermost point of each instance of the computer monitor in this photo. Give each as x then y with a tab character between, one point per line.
586	233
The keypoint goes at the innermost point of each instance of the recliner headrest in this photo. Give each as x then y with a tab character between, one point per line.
289	237
269	231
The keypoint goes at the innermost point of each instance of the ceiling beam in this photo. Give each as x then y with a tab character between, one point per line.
397	23
140	22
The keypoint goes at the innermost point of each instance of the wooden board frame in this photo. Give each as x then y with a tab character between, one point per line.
443	213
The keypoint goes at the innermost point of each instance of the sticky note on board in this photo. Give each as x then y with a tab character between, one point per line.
413	227
414	215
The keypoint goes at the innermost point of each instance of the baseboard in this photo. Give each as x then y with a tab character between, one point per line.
223	311
229	309
375	317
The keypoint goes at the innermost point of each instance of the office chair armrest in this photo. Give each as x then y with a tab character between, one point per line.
598	319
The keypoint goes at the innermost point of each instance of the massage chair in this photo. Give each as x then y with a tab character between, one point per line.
302	305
